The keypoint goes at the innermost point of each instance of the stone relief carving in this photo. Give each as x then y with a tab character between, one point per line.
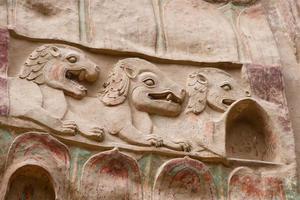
58	67
192	129
49	73
214	91
213	87
135	89
146	86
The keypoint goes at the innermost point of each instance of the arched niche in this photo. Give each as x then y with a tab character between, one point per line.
250	133
184	178
30	182
246	183
40	153
111	175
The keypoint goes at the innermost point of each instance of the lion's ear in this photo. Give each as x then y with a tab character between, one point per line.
116	88
197	87
32	69
130	70
54	51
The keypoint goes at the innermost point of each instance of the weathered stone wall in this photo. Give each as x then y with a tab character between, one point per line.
149	99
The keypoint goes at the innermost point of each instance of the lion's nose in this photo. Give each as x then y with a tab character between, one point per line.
97	68
248	94
92	73
183	93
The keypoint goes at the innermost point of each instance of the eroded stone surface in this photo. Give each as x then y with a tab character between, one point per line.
151	28
246	183
4	102
195	17
139	106
118	177
34	152
91	124
184	179
37	19
3	13
122	25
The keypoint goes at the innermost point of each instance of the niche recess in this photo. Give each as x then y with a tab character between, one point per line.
249	132
111	175
184	178
30	182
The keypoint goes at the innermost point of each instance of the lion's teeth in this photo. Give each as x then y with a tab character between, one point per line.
75	72
169	97
80	87
81	76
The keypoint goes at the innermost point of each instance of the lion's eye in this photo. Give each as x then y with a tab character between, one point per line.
226	86
72	59
149	82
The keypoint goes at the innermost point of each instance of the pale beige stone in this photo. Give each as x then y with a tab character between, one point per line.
190	30
45	19
145	107
127	25
151	100
3	13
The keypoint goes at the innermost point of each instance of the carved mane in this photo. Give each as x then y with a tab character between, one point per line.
116	88
32	70
197	88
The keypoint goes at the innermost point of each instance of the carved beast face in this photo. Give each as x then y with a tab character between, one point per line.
146	87
215	87
60	67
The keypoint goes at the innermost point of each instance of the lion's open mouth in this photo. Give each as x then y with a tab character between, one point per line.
76	75
165	96
228	102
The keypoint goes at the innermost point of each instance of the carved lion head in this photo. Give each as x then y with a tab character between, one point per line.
61	67
146	87
214	87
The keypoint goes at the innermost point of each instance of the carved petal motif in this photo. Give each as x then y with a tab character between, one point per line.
184	178
38	152
245	183
111	175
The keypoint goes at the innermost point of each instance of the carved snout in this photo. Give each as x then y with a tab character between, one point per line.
247	93
178	91
92	73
